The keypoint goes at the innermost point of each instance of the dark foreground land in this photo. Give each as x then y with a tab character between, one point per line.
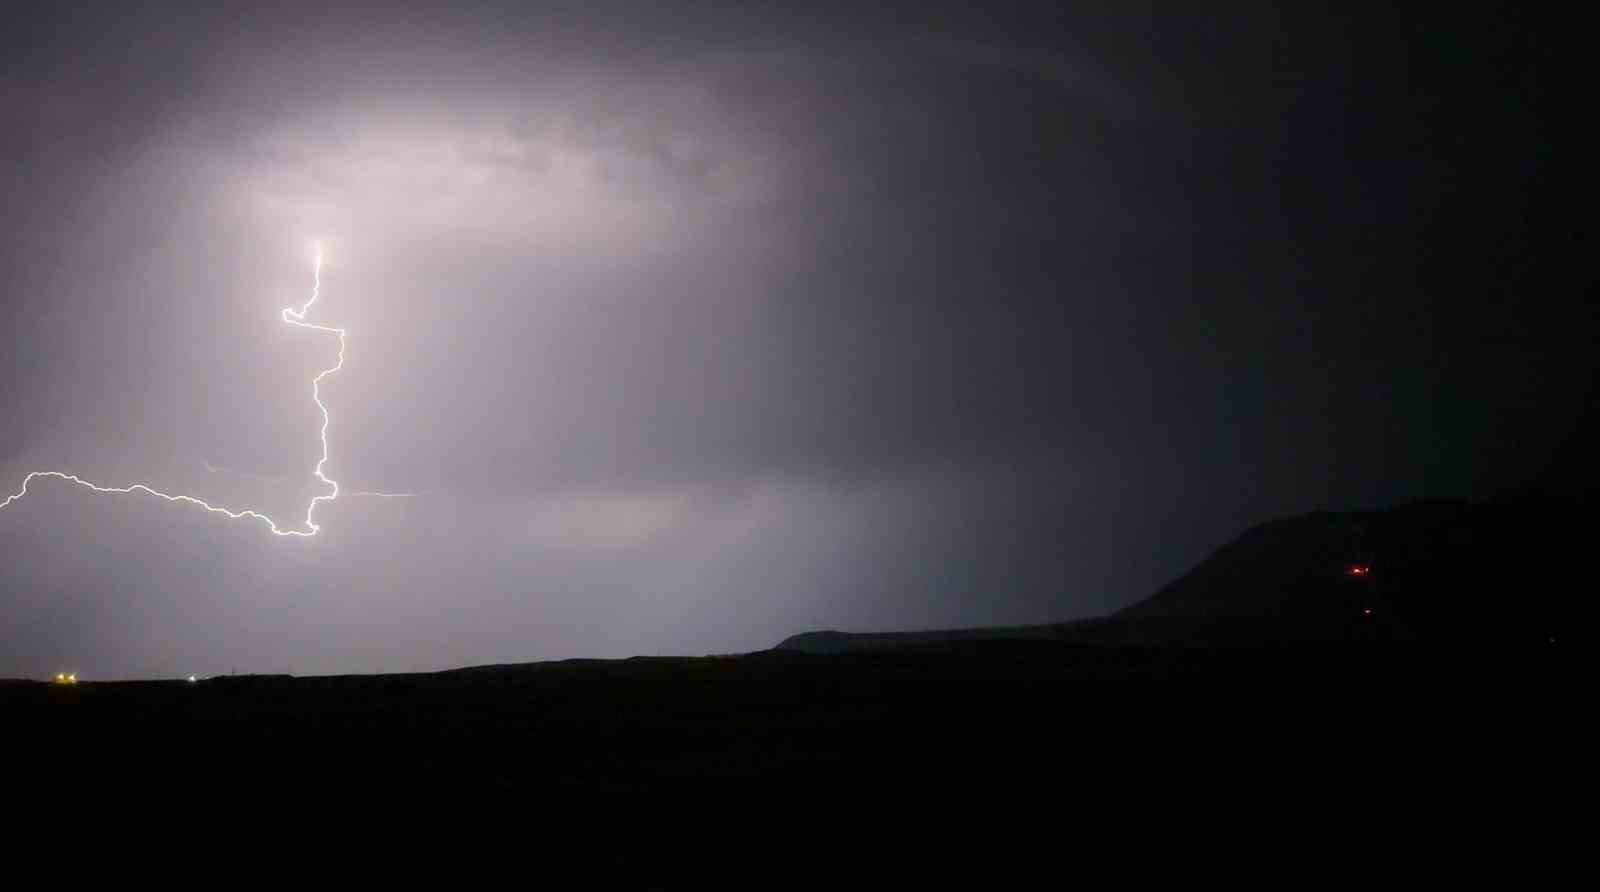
1448	662
1012	713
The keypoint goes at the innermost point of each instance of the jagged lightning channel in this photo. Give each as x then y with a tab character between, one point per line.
295	317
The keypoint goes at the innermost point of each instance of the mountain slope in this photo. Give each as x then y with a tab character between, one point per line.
1438	570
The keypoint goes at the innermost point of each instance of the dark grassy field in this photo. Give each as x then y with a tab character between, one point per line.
1032	713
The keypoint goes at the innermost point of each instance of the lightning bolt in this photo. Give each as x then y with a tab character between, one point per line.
293	316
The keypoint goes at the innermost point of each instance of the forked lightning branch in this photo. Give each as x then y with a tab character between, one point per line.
293	316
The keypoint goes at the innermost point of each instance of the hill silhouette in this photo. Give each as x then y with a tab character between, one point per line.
1437	571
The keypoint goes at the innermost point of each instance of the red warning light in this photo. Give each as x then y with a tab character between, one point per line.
1358	570
1367	611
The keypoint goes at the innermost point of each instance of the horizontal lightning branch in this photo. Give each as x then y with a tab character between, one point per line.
292	316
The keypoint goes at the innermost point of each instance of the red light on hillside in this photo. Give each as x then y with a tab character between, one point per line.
1358	570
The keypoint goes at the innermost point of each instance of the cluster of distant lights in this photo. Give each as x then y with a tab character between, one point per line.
72	678
1363	571
1360	571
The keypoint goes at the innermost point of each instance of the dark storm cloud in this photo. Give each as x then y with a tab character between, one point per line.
700	325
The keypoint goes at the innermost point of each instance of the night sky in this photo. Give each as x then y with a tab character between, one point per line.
699	325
